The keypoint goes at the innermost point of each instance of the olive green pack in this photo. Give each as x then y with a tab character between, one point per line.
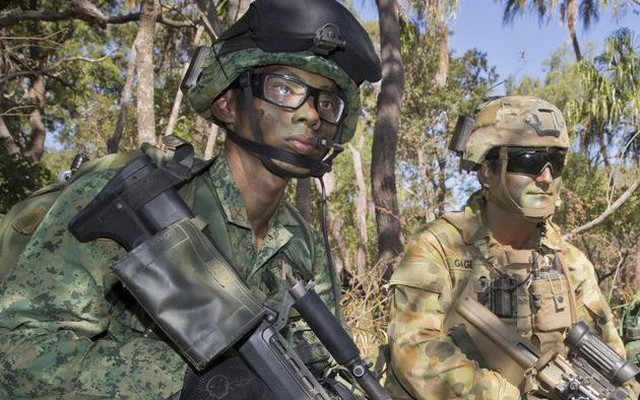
21	221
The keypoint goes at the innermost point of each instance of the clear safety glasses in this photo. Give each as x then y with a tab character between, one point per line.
290	92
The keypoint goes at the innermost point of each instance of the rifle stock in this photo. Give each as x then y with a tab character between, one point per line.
591	374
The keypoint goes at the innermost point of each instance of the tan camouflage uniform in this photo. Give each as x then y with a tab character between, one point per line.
439	262
60	337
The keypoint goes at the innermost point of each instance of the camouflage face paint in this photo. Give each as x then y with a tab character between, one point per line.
533	197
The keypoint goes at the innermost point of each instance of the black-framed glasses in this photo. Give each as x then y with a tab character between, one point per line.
534	161
290	92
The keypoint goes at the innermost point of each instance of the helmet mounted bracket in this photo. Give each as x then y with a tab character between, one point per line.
195	68
327	40
459	139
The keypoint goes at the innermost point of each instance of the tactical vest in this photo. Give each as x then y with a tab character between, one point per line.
529	291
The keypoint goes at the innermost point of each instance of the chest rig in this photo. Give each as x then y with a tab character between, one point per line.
529	290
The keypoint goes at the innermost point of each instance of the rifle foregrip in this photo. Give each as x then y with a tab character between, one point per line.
327	328
335	339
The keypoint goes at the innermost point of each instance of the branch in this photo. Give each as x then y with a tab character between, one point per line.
606	213
8	18
80	9
49	68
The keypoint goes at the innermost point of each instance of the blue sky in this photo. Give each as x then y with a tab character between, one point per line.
519	48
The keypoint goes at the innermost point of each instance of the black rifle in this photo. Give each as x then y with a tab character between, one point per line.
140	205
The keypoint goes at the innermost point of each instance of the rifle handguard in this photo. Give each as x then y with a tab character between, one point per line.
335	339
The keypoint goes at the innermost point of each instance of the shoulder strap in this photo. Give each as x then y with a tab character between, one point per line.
455	218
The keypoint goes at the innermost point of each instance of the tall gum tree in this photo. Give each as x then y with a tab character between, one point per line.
385	139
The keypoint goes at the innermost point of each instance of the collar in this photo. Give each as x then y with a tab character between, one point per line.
233	203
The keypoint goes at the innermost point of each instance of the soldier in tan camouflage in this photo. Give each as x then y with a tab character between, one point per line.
283	83
503	250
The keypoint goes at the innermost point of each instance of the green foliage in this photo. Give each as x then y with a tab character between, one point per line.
426	167
18	178
608	103
582	192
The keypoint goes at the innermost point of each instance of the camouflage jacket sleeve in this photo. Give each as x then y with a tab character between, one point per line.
57	334
592	307
425	361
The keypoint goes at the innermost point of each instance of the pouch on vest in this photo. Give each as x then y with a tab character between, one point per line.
550	302
193	295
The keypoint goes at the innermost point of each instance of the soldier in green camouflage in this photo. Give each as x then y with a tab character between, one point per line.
283	83
631	329
503	250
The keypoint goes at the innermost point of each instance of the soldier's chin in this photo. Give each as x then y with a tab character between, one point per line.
290	168
538	213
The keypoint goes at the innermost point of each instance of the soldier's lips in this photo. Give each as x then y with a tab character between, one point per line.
302	144
540	193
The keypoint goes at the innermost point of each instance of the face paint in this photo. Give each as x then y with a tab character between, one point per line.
533	197
294	130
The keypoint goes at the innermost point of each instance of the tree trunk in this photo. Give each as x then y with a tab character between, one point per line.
235	10
35	148
212	133
175	110
113	143
442	32
343	266
144	68
572	16
7	140
361	208
303	198
385	139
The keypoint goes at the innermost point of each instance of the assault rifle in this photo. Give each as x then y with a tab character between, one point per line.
193	294
590	371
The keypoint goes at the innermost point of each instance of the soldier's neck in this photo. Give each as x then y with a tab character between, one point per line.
261	190
509	228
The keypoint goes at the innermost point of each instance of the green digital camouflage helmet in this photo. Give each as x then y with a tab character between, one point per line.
510	121
320	36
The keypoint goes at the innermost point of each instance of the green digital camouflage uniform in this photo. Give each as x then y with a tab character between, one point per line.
439	262
60	338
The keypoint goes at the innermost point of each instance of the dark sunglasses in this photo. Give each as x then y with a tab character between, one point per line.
290	92
533	162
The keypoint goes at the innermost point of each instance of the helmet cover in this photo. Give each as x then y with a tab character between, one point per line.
320	36
514	121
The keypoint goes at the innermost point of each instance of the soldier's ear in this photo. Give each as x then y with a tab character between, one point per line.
485	173
224	109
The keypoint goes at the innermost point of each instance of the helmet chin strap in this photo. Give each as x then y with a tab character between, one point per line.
317	168
503	198
267	153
